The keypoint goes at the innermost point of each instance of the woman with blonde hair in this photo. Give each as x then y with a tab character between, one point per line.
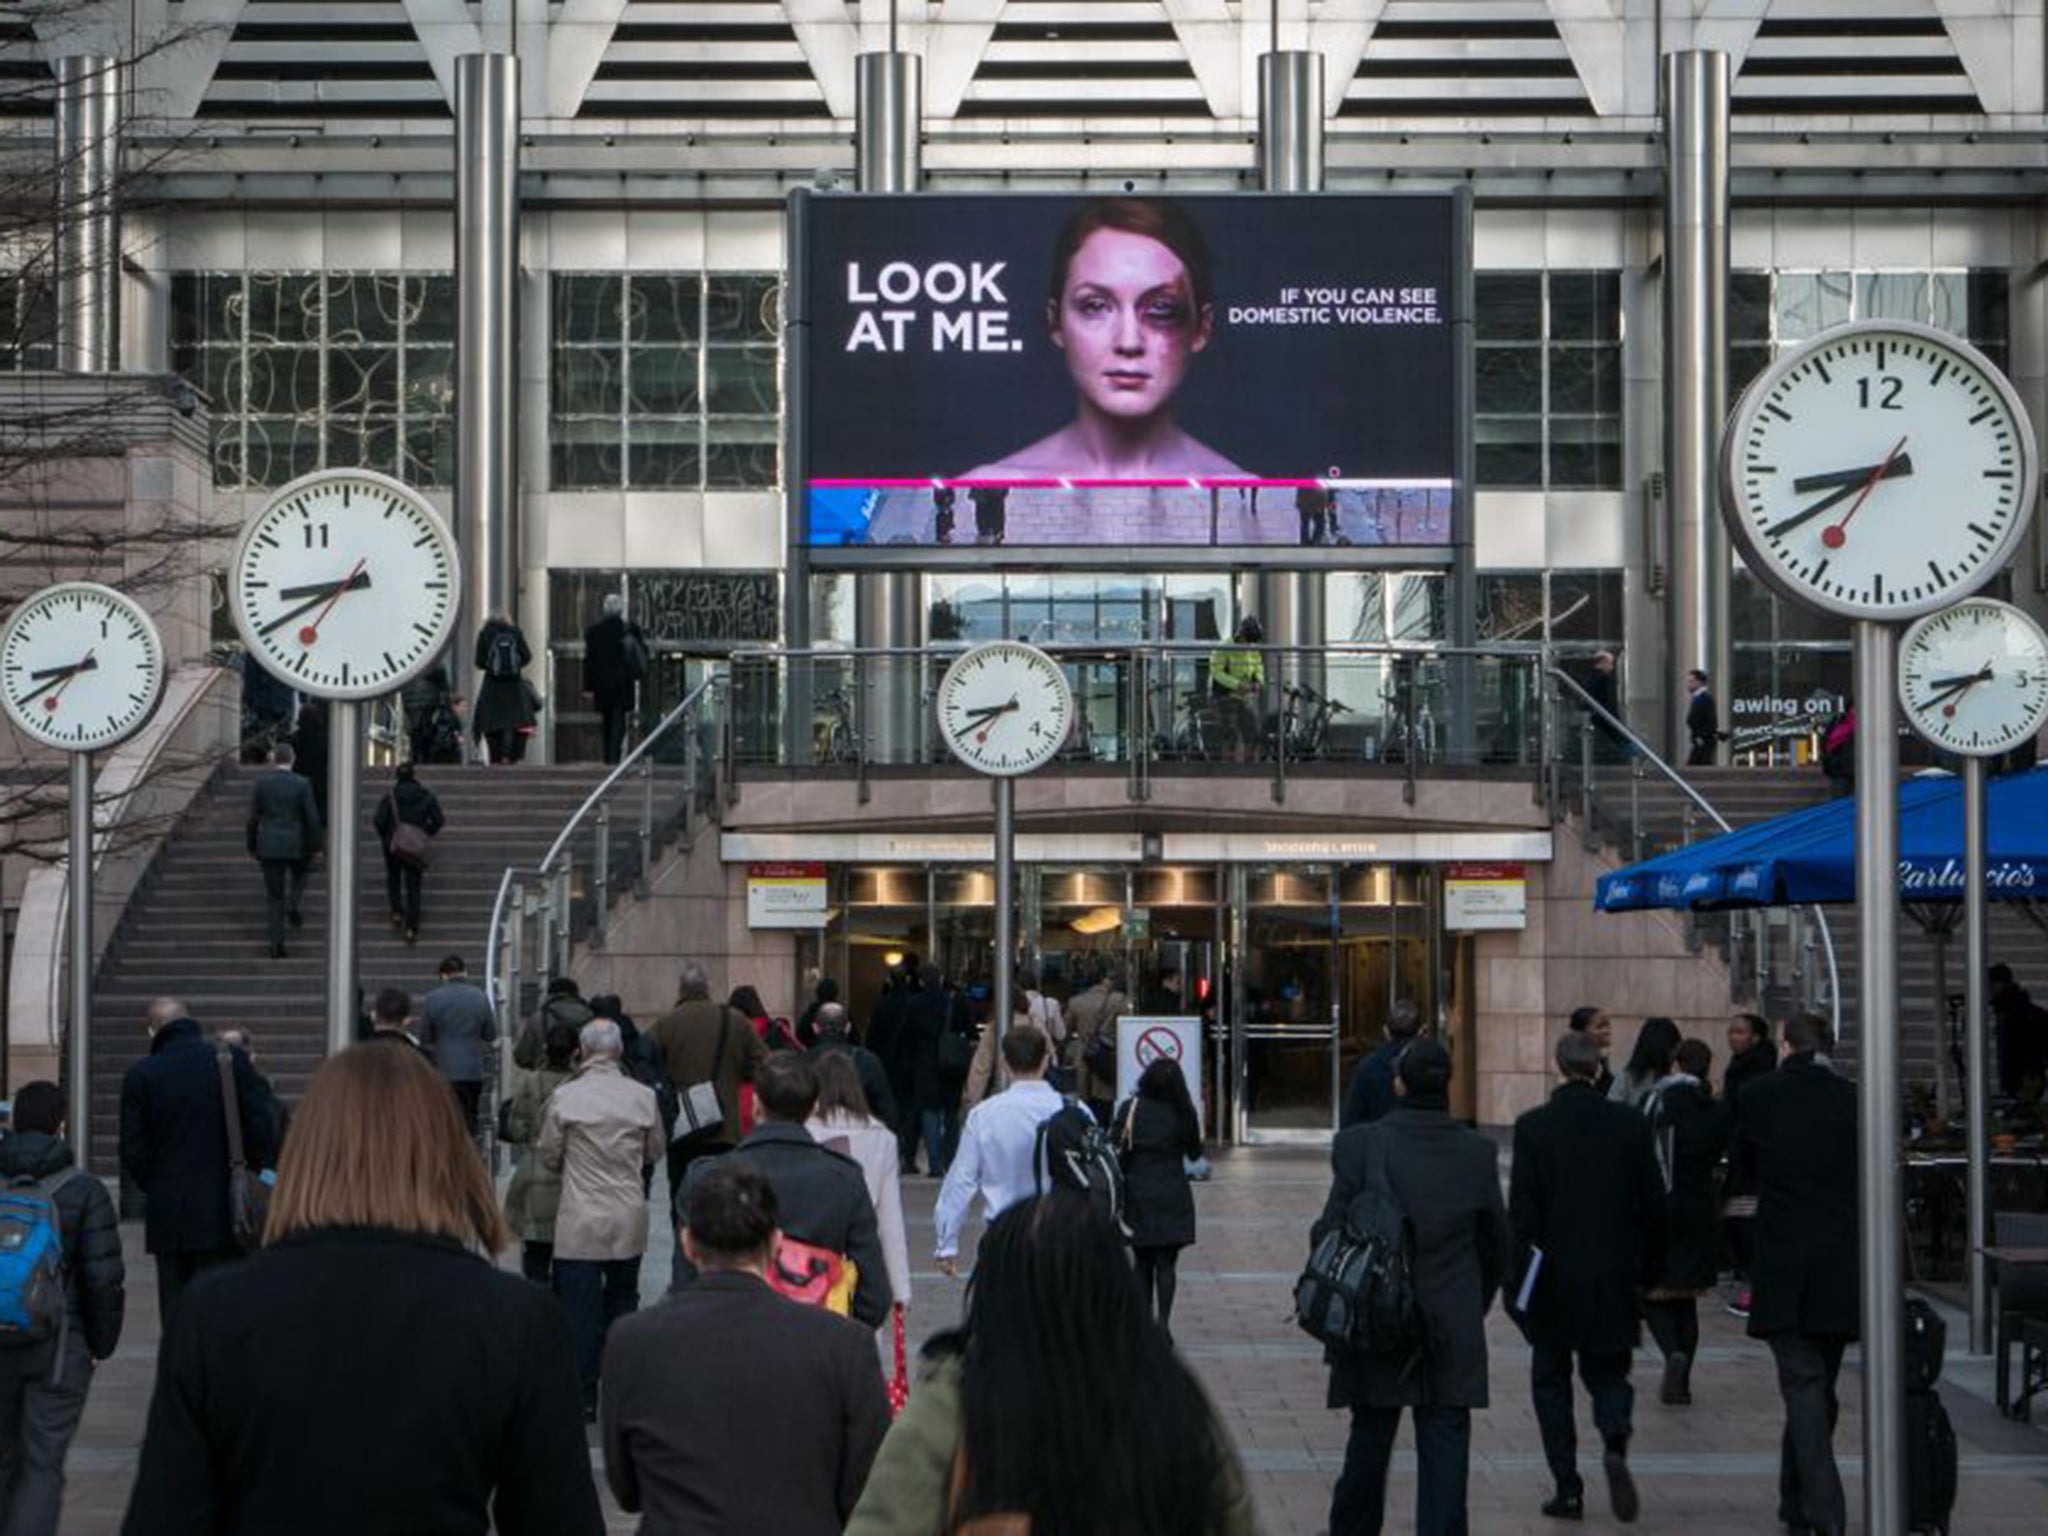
369	1372
844	1122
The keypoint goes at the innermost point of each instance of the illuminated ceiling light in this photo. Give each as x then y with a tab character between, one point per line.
1100	920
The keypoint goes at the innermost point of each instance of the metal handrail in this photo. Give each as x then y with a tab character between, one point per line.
605	784
491	943
1647	754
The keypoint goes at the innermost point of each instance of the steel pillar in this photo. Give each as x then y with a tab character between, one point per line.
1977	1055
1695	370
1006	904
77	1040
1877	962
87	247
344	817
486	342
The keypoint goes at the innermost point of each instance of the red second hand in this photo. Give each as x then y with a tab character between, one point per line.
312	631
50	703
1833	535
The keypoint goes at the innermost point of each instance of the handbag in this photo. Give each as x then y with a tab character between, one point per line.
411	845
248	1196
956	1053
699	1116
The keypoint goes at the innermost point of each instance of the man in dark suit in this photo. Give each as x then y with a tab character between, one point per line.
457	1024
1447	1181
174	1144
1587	1203
614	657
1795	1142
1702	720
391	1023
822	1195
835	1033
1372	1094
691	1449
283	835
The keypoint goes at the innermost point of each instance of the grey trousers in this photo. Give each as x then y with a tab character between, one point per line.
37	1420
1809	1483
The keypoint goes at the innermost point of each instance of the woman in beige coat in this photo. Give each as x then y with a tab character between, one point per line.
535	1192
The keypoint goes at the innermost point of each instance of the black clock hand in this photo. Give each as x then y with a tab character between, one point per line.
323	592
327	588
1801	519
1952	684
51	677
1903	465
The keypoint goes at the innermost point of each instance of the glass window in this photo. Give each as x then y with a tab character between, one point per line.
1510	606
1548	380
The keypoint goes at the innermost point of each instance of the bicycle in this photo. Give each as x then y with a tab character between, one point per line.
1303	723
841	742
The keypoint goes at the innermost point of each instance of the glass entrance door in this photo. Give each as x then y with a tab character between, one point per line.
1283	1002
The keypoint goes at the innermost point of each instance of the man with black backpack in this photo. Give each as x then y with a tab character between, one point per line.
1437	1185
61	1304
1001	1150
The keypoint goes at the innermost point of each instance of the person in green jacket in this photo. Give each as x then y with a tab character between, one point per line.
534	1193
1058	1365
1237	675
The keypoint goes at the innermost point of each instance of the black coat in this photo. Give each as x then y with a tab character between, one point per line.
928	1016
411	802
1370	1095
822	1199
1702	728
95	1279
174	1137
1159	1202
886	1039
284	820
501	703
1447	1179
1795	1141
607	675
1745	1069
1691	1132
1585	1189
365	1383
874	1077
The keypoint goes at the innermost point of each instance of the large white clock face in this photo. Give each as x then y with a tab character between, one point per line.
1004	708
346	584
81	666
1974	678
1881	471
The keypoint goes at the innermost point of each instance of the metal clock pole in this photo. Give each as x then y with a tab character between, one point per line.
344	776
1006	902
1877	963
1977	1060
76	1048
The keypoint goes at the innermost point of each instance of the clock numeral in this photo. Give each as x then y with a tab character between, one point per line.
1886	393
316	535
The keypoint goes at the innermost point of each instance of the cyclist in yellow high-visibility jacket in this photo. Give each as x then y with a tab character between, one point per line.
1237	675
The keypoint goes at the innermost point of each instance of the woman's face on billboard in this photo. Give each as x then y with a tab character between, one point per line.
1127	322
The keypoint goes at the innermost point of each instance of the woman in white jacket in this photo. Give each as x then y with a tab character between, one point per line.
844	1122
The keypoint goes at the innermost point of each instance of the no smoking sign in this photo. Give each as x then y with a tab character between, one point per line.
1144	1039
1156	1042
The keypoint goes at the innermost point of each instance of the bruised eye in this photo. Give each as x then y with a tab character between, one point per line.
1166	313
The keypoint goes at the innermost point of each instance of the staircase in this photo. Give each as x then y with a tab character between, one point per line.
195	928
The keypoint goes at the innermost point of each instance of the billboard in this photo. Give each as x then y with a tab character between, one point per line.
1248	373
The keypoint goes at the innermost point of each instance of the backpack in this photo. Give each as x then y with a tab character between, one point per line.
502	659
813	1276
1357	1295
31	1260
1072	1151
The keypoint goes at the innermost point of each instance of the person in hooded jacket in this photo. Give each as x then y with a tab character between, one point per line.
1689	1131
43	1384
409	803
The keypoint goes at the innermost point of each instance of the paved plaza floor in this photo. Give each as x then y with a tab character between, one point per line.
1707	1470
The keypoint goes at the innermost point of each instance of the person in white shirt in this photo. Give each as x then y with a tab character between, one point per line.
999	1143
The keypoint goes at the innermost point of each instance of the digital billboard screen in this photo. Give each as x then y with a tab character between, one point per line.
1256	373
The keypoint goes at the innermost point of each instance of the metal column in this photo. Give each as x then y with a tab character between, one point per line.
77	1039
1977	1054
1695	369
1006	903
1877	962
344	777
888	605
87	246
1291	160
486	356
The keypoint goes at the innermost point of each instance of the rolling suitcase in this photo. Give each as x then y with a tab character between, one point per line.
1930	1463
1926	1345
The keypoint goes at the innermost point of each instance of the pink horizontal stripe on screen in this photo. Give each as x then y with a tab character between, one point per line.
883	483
1181	484
1006	485
870	484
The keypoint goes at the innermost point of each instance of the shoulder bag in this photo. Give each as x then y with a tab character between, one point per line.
699	1117
248	1196
410	843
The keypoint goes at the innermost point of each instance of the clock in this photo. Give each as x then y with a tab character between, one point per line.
1005	708
1974	678
345	584
1881	471
81	666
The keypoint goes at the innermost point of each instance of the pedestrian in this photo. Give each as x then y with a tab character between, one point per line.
458	1024
1237	678
1689	1131
986	1074
311	751
705	1042
774	1033
1157	1134
934	1082
844	1120
991	512
1092	1016
1043	1009
1371	1094
833	1032
174	1145
1838	753
824	991
887	1039
1648	1060
424	702
830	1232
640	1059
1447	1182
370	1372
598	1131
408	820
1588	1212
1795	1140
685	1449
47	1367
535	1193
1594	1022
504	708
1056	1367
614	663
1702	721
999	1145
283	835
1603	688
267	705
564	1004
2021	1026
280	1115
1751	1053
391	1023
